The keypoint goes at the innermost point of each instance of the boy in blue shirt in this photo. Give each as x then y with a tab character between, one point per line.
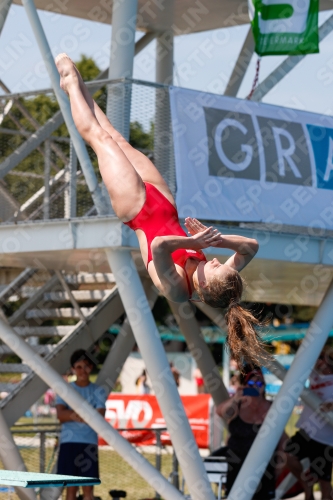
78	454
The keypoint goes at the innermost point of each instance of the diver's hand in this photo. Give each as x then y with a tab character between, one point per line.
209	237
196	228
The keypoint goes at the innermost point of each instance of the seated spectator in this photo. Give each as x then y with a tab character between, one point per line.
78	453
314	440
244	412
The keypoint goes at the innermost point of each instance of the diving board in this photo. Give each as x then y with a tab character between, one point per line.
40	480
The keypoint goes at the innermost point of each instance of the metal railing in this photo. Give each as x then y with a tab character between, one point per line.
40	437
41	174
38	445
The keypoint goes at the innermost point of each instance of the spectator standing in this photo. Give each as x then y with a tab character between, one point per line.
78	454
244	412
314	440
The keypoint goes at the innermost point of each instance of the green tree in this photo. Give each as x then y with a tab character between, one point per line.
42	108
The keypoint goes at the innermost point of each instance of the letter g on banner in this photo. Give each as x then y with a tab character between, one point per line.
248	150
232	144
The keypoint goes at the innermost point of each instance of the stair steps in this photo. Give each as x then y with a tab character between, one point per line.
43	298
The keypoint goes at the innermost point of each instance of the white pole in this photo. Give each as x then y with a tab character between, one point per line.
199	350
122	347
118	107
4	9
47	172
63	101
279	413
241	66
11	458
147	337
87	413
308	397
226	367
121	63
163	137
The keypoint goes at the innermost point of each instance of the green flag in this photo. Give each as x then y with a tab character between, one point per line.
284	27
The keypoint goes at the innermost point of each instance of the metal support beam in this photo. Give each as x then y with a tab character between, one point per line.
163	145
308	397
214	314
121	64
144	41
31	144
35	124
140	45
63	101
118	106
19	315
164	64
16	284
288	64
116	357
32	387
72	181
27	134
151	348
88	413
4	9
241	66
47	172
123	24
279	413
122	346
71	296
11	458
199	350
226	368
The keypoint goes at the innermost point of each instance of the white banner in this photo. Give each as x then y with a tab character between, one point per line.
238	160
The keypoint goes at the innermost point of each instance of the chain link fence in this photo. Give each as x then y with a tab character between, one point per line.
38	446
40	177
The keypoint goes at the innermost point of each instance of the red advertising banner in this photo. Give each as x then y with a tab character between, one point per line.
125	411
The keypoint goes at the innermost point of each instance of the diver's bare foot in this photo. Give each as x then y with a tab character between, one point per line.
69	74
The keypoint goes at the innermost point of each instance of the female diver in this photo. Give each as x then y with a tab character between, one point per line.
142	200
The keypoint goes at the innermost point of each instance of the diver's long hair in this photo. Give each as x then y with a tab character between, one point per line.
243	340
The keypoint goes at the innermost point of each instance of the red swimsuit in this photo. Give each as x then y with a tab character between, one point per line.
158	217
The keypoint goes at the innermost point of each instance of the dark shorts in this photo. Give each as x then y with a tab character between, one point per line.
78	459
319	454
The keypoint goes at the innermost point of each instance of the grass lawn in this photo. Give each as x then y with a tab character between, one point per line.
115	473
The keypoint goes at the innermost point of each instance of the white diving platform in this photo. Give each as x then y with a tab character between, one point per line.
39	480
290	267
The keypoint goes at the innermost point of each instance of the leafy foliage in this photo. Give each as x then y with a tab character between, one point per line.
41	108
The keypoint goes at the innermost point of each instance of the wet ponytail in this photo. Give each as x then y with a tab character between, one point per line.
243	339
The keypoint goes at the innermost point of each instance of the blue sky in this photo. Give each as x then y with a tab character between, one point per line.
200	59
